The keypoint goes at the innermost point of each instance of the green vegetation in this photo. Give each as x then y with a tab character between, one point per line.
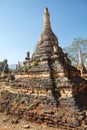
34	63
72	50
33	104
2	64
26	68
24	101
19	100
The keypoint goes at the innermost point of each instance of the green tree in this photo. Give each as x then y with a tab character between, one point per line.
3	64
72	50
5	61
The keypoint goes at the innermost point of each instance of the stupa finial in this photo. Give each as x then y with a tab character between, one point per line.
46	10
47	25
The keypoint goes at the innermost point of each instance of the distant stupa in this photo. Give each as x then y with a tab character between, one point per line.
80	65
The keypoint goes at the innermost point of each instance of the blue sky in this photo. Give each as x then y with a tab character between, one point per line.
21	23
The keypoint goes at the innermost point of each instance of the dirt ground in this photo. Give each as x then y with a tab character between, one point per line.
6	124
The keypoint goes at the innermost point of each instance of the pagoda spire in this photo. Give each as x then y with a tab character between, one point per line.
46	20
79	58
81	66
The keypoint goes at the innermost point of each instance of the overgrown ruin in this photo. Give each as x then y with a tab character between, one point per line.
53	93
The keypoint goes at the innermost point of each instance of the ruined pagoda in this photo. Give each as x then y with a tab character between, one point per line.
56	92
54	67
56	82
80	65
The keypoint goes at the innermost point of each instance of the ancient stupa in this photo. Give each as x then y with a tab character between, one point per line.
56	92
55	83
54	69
80	65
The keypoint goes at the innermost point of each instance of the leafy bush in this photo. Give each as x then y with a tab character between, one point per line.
26	68
34	63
